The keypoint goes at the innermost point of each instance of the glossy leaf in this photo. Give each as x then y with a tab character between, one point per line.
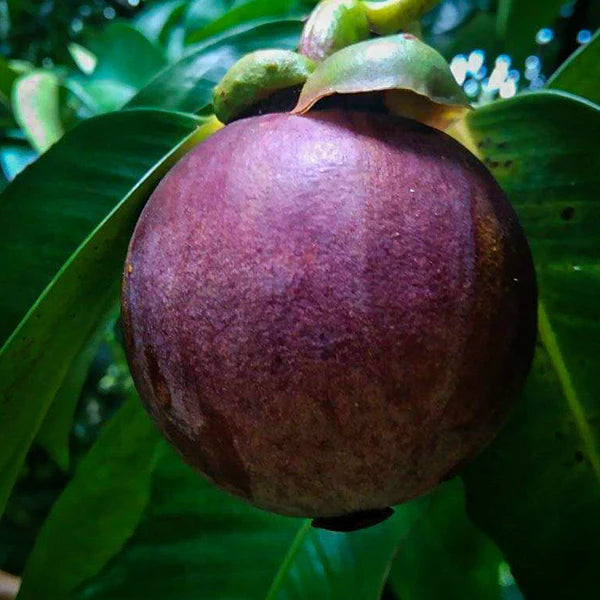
445	555
85	60
175	43
580	74
13	159
6	118
35	101
20	66
520	20
55	430
336	566
64	228
479	31
80	535
536	490
101	95
155	20
7	78
245	13
187	85
200	13
125	55
195	542
125	62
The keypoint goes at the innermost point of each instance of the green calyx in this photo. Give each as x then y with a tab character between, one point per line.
257	77
413	78
397	74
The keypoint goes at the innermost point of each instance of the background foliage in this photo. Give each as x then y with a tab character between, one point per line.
100	99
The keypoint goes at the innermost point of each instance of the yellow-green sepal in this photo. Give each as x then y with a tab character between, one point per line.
415	80
333	24
257	76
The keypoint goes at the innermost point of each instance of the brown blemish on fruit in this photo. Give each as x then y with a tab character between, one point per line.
219	458
159	385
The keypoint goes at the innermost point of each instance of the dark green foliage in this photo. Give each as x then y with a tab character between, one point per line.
122	517
536	490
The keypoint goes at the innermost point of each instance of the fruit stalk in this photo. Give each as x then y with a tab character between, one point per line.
391	16
335	24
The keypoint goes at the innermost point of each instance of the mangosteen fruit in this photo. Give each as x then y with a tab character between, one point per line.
329	311
326	314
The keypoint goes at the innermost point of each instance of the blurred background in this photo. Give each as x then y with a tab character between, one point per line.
64	61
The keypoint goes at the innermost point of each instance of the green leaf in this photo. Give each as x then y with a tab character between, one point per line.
200	13
13	159
85	60
100	96
175	43
35	102
116	79
520	20
20	66
125	55
64	227
580	74
247	12
7	78
156	19
195	542
479	31
3	180
187	85
55	430
536	490
336	566
98	510
446	556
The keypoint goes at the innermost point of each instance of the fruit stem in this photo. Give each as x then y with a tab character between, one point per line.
333	25
391	16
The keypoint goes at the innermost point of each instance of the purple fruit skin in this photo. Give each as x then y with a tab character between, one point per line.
328	313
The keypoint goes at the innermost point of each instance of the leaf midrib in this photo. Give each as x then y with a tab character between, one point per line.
548	338
288	560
